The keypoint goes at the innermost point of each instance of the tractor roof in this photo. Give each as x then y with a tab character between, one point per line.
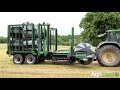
117	30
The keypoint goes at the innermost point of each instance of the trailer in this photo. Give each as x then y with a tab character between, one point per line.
31	44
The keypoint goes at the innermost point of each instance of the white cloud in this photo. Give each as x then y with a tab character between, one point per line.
63	21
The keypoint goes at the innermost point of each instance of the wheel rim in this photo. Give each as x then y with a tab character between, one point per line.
109	56
17	59
30	59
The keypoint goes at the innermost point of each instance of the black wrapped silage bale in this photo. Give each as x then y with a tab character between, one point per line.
15	29
28	33
16	42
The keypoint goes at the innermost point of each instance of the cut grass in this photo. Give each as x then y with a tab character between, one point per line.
61	69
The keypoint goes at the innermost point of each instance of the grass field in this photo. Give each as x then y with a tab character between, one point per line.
49	70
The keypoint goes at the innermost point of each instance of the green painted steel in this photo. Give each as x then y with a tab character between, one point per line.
46	51
108	43
72	42
81	55
32	36
39	30
40	53
17	27
12	41
9	39
62	51
61	54
47	35
55	39
26	34
22	38
16	42
113	30
46	28
21	51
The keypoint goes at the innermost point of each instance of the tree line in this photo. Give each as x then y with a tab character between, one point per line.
62	40
96	23
65	40
3	39
93	24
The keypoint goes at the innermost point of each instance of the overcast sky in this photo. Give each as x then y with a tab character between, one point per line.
63	21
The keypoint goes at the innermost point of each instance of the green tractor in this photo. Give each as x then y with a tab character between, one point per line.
108	51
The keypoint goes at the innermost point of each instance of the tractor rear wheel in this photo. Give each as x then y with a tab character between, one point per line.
18	59
108	55
30	59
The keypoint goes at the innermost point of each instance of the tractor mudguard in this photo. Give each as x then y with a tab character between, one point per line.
107	42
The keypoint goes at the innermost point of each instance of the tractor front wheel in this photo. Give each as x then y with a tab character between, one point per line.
108	55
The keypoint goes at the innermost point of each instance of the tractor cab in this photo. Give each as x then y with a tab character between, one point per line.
111	35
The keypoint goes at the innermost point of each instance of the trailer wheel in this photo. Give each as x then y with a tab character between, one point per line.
18	59
85	62
54	59
41	59
71	61
30	59
79	61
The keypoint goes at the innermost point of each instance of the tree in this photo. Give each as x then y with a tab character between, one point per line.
65	40
3	39
95	23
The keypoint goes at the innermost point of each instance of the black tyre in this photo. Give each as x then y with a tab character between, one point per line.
41	59
71	61
108	56
18	59
54	59
30	59
85	62
79	61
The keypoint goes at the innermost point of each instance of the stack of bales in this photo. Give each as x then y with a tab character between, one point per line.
15	37
28	37
22	37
